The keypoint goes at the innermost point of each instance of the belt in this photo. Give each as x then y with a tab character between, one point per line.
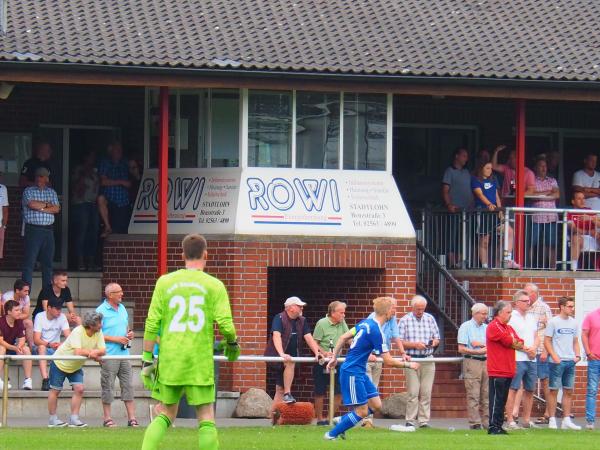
44	227
478	358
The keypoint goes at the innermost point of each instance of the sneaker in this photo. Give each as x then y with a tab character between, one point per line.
510	264
476	426
45	384
530	425
322	423
77	423
589	426
552	423
288	398
328	437
496	431
513	426
403	428
567	424
409	424
2	385
27	384
424	425
56	423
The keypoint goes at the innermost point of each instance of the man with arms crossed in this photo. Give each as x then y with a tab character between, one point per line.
562	345
358	391
184	305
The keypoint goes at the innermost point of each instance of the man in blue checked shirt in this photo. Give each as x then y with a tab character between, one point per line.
40	205
115	184
471	344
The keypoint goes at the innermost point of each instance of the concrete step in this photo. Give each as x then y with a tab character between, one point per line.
83	285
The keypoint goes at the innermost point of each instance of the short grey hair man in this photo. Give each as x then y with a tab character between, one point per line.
479	307
418	299
501	305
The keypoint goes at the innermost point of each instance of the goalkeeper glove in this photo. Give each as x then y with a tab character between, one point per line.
148	373
231	350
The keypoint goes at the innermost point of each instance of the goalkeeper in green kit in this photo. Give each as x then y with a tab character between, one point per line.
184	306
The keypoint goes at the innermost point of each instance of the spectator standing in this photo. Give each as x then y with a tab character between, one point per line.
84	212
420	337
471	344
391	333
59	292
42	152
40	205
542	313
113	203
12	341
501	343
544	228
85	340
587	180
562	345
590	338
20	294
47	328
326	334
118	337
582	230
288	329
509	171
525	325
3	216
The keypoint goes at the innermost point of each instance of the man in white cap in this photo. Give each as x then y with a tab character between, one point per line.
287	330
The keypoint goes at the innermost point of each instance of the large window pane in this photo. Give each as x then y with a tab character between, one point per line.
154	118
191	130
365	125
225	128
269	129
317	130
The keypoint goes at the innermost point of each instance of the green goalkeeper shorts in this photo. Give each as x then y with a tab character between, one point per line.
196	395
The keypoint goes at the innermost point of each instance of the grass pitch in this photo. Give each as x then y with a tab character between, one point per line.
294	437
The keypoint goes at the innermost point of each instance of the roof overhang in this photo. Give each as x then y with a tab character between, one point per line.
178	77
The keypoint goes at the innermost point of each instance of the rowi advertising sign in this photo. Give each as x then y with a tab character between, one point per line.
276	202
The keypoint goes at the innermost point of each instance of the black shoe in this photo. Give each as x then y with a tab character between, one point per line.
409	424
45	384
424	425
477	426
496	431
288	398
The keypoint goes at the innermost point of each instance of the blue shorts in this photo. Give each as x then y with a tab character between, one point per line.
562	375
526	372
357	388
57	377
543	370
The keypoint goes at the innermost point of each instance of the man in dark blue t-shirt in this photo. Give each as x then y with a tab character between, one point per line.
357	389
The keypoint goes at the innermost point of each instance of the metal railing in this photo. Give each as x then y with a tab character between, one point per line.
8	358
535	238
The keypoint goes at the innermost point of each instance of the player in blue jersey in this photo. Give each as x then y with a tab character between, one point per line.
357	389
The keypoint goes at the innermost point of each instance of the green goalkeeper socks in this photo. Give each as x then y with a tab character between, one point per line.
156	432
207	436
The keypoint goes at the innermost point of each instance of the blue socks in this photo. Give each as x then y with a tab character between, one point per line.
346	422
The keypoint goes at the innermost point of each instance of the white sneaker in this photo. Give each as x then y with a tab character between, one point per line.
328	437
513	426
77	423
552	423
2	385
27	385
589	426
56	423
402	428
530	425
567	424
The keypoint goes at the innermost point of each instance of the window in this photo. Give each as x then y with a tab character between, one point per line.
203	128
317	130
269	129
365	125
15	149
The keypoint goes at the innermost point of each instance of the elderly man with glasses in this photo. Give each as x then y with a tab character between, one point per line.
118	336
471	344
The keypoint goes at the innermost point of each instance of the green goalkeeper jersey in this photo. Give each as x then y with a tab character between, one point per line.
184	306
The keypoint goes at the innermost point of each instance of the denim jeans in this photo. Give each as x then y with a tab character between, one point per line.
86	223
119	218
593	373
39	245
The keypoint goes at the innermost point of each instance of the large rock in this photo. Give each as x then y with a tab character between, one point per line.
254	404
394	406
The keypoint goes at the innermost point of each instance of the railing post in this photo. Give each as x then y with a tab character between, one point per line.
423	225
331	395
565	227
5	394
465	309
463	261
505	225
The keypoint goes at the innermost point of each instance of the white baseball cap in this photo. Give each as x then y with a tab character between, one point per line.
293	301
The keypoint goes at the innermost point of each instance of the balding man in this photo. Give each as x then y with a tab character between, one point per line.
117	335
471	344
420	337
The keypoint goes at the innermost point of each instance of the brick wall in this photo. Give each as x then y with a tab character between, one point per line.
493	286
260	274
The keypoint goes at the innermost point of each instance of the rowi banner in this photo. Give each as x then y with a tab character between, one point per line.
275	202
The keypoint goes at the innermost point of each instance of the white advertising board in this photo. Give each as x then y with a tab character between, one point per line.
275	202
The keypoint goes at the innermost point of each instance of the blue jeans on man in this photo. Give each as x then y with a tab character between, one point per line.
86	223
593	374
39	246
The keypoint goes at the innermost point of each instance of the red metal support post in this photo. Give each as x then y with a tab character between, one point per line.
163	179
519	245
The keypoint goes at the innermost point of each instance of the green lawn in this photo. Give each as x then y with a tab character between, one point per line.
294	437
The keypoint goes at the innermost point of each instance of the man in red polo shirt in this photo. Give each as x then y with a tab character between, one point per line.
501	342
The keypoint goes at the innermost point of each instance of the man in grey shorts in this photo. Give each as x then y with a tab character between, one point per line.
117	335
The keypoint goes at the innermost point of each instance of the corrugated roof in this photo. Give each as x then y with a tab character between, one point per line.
515	39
